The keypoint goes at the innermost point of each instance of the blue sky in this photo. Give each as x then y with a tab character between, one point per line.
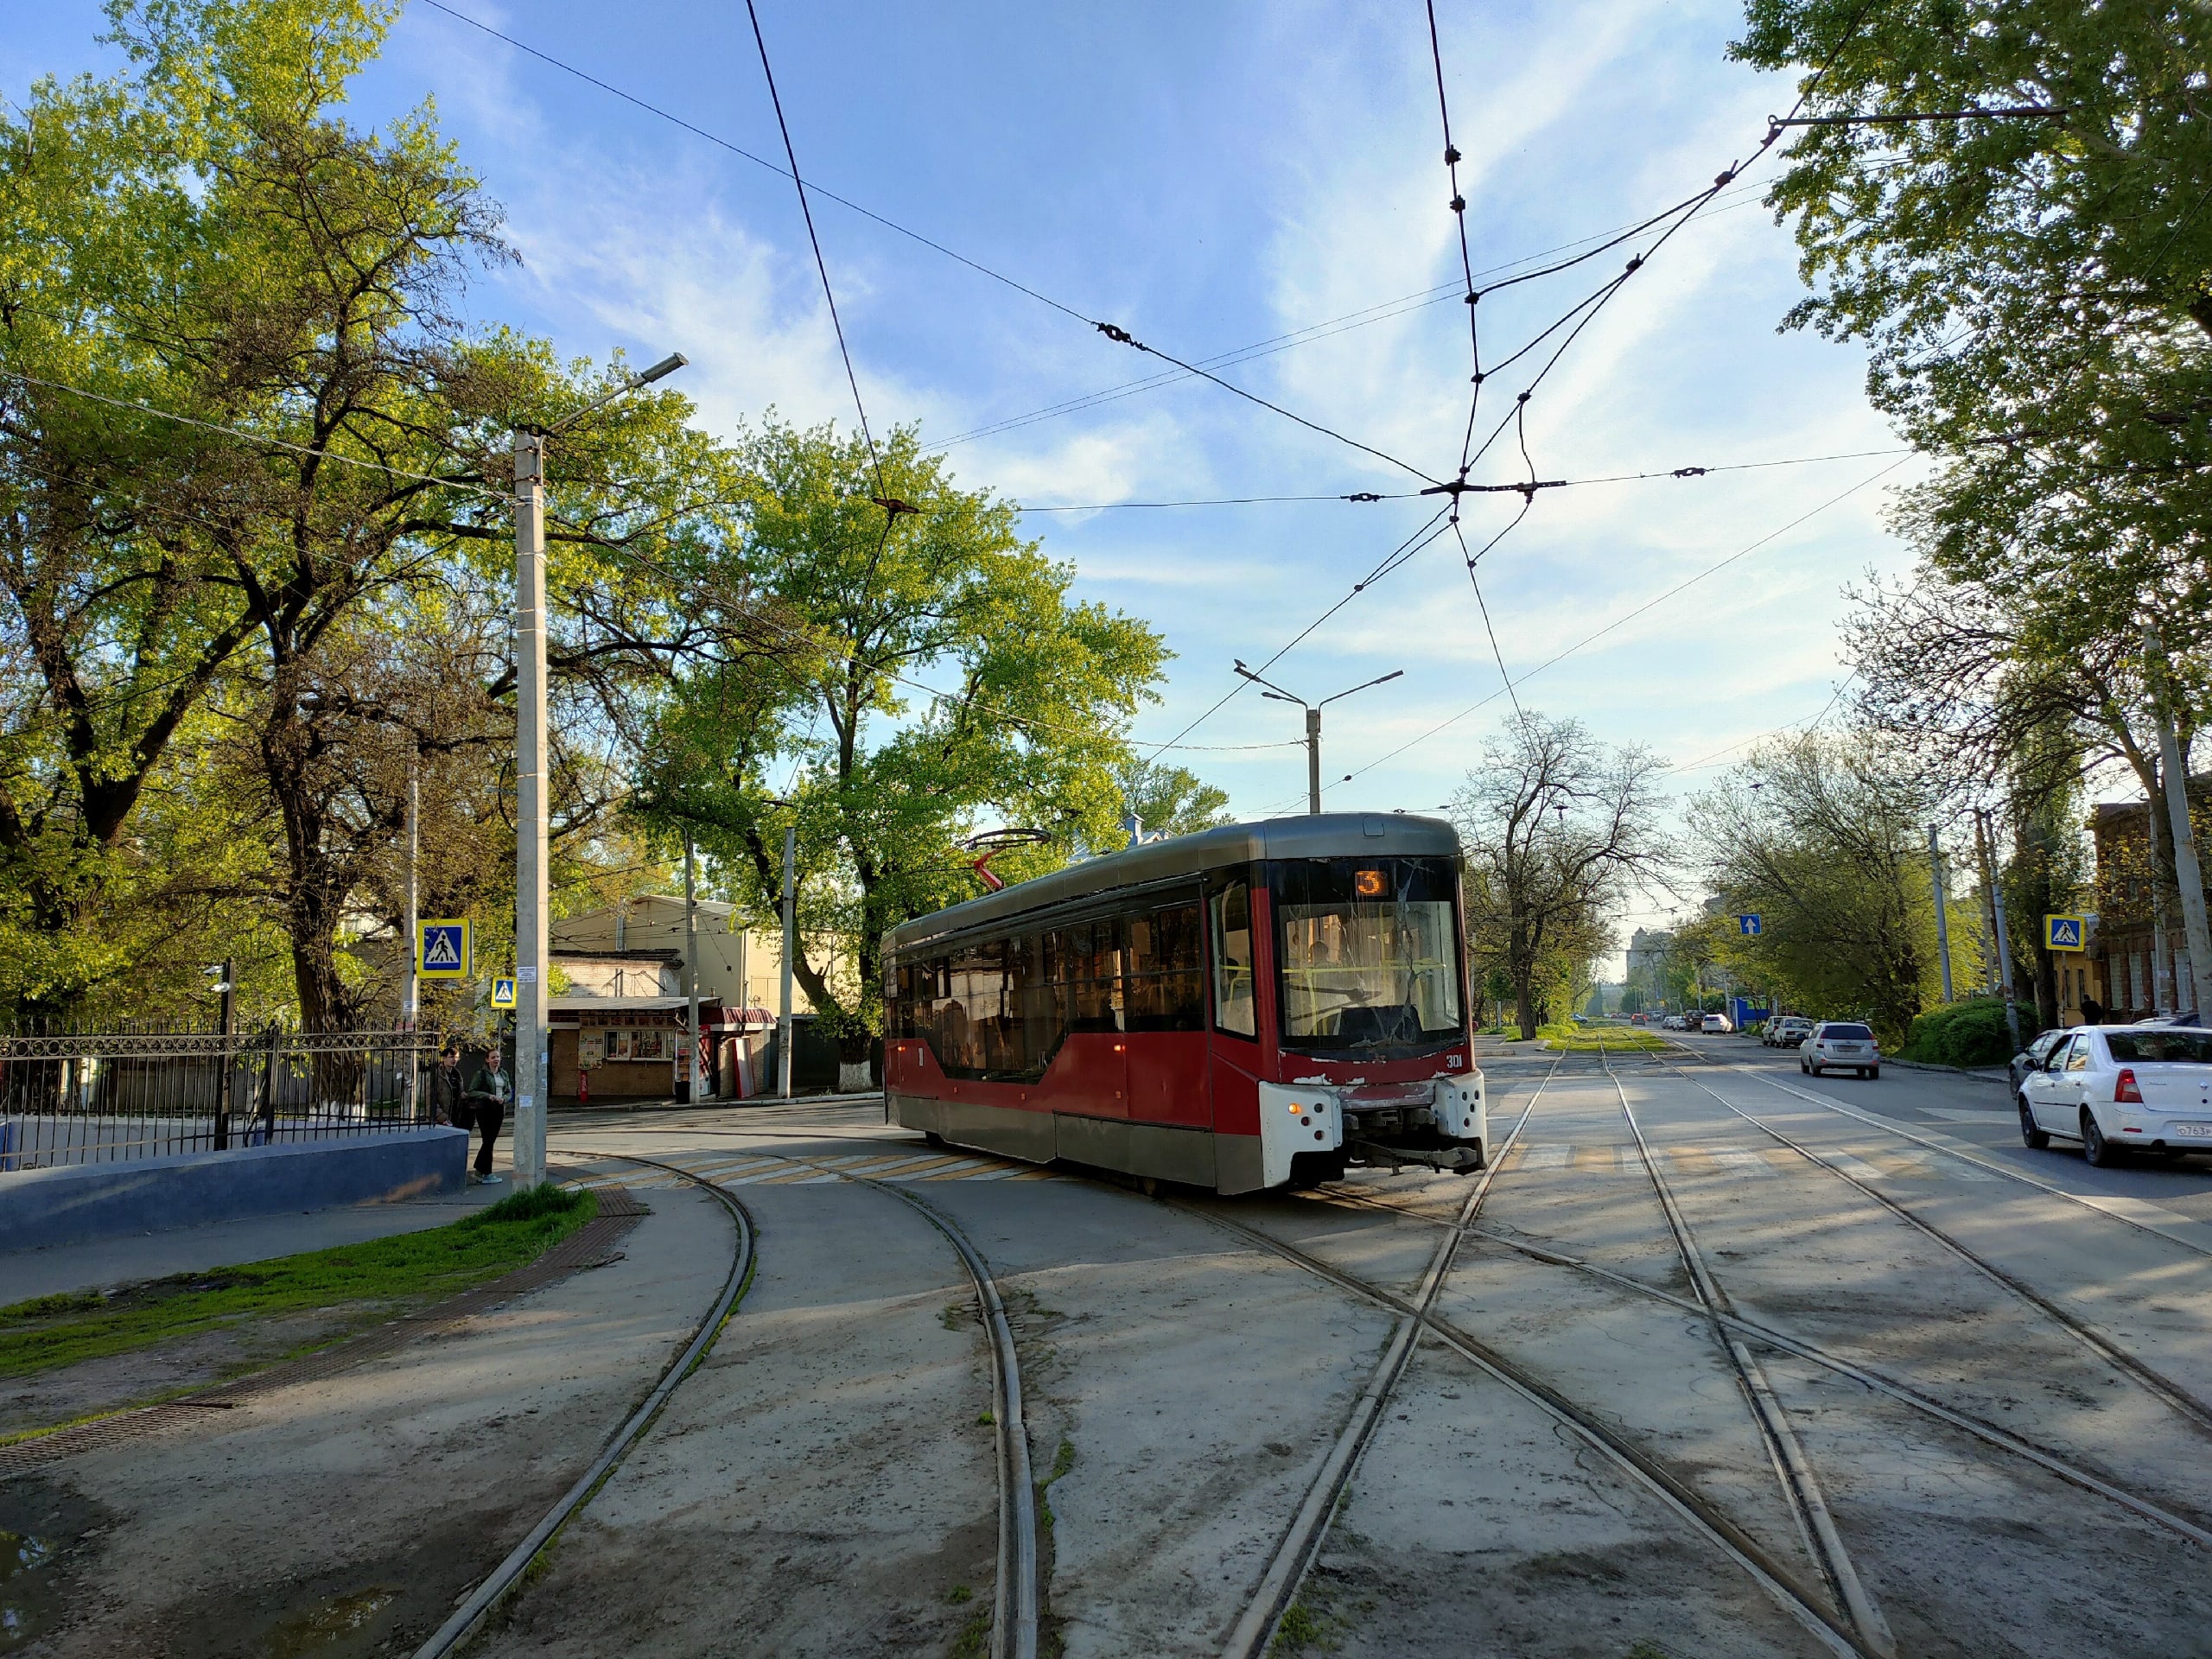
1211	177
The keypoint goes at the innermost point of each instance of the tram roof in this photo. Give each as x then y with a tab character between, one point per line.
1325	835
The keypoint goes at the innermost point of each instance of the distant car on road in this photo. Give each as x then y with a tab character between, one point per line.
1639	1019
2122	1088
1786	1030
1840	1045
1716	1022
2031	1057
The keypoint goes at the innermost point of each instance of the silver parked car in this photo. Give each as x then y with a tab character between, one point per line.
2122	1088
1840	1045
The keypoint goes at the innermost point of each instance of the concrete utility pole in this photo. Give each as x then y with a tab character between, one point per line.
533	1022
690	972
1274	693
1986	843
1942	921
2188	875
533	954
791	944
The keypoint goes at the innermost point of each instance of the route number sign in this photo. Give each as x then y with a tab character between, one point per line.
2065	932
1751	926
441	951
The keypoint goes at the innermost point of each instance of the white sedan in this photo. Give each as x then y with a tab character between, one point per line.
2117	1088
1840	1045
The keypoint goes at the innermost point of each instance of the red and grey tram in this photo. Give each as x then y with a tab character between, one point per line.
1239	1008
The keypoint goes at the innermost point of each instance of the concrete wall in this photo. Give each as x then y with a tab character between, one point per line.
79	1201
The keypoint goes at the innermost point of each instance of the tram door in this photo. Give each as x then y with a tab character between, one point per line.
1164	1013
1096	1047
1232	937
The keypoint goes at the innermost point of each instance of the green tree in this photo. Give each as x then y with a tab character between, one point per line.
1557	829
1170	798
2036	296
953	684
315	573
1826	838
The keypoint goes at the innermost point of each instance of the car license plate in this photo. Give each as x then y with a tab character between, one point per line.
2195	1130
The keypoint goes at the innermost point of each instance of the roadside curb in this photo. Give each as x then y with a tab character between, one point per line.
1986	1073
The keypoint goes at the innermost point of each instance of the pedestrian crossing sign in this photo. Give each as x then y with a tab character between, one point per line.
441	951
2064	932
503	993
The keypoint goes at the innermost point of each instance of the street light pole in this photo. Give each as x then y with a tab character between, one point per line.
533	1026
1274	693
410	1004
1313	761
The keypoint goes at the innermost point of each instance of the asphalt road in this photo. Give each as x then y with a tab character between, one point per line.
1977	1114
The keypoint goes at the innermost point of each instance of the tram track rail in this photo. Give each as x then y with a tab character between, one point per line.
1793	1473
1782	1340
1296	1551
1987	1165
478	1607
1017	1597
2106	1348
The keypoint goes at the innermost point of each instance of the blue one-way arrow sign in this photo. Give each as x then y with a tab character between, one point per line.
1751	925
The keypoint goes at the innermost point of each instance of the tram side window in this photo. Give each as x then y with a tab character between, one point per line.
1233	1010
1092	966
1161	985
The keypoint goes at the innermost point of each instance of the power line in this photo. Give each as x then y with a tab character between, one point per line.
258	437
1626	616
1428	532
723	144
1459	220
876	461
1521	489
1122	336
1384	311
1704	760
1112	331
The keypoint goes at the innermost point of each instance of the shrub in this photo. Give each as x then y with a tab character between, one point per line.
1964	1034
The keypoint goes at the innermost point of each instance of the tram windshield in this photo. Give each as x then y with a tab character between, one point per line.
1367	954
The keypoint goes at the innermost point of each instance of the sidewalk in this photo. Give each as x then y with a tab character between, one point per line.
51	1270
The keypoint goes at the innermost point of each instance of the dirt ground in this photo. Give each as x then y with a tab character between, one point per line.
343	1517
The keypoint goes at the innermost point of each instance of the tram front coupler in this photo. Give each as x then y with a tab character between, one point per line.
1448	1160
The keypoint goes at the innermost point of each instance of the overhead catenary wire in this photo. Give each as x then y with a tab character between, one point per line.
1112	331
1428	532
1620	621
821	265
1384	311
1705	760
1681	216
1368	496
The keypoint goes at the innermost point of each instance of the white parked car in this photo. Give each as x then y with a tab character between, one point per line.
1840	1045
1718	1022
2117	1088
1786	1030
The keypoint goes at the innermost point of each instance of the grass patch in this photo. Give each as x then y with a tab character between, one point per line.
975	1638
49	1331
1587	1040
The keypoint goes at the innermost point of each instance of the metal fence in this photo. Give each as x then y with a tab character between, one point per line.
77	1097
